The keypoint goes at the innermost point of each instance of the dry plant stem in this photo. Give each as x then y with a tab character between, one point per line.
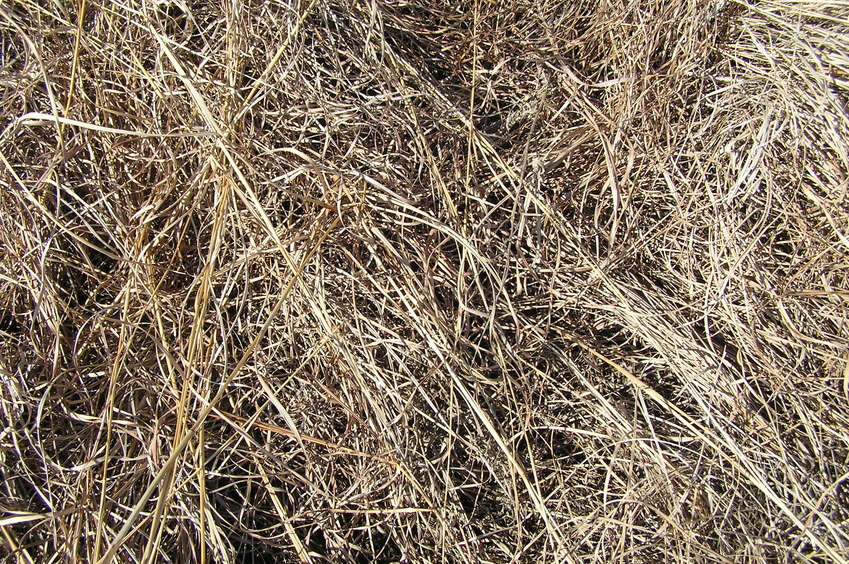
165	472
107	424
196	353
76	60
739	456
402	281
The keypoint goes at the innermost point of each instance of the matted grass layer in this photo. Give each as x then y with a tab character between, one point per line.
331	281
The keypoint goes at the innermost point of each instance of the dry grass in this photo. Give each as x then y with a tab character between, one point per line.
330	281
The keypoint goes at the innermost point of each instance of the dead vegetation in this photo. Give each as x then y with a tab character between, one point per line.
335	281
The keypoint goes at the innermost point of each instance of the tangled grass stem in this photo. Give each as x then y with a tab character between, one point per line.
338	281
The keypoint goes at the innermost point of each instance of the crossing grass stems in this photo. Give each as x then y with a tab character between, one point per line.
399	281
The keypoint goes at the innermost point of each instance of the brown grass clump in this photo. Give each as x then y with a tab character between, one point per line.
332	281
